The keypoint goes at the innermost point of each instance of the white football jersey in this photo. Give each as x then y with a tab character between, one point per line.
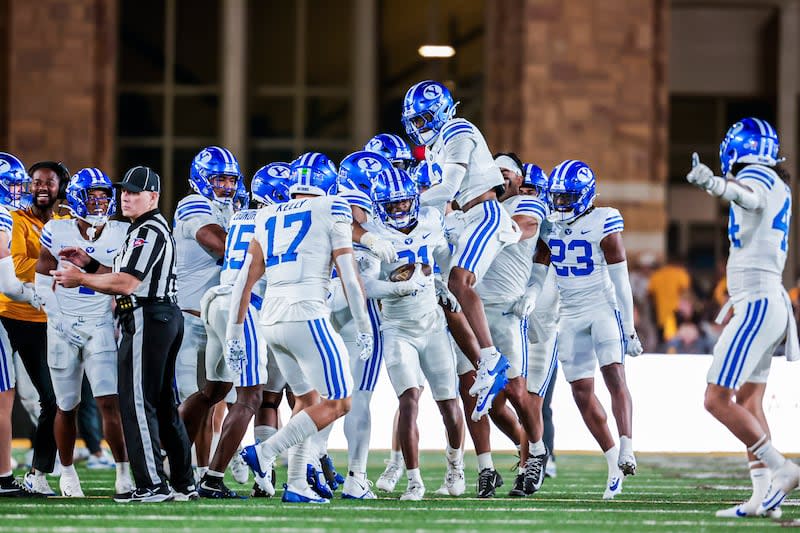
297	240
580	266
418	246
241	232
759	239
507	278
62	233
197	270
482	175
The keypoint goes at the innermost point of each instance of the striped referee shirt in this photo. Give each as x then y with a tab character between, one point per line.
149	255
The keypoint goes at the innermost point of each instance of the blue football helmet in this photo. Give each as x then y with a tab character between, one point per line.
91	209
357	171
572	189
427	106
426	174
313	173
535	178
391	186
241	200
208	164
270	184
751	140
392	147
14	182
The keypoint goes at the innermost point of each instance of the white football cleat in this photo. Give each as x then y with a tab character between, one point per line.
357	489
454	478
746	510
124	484
489	368
414	492
239	469
627	463
38	483
70	486
613	486
784	481
390	476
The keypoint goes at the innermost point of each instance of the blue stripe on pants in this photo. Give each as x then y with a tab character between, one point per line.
750	342
727	361
311	324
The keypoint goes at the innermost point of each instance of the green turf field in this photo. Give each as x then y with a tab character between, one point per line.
670	493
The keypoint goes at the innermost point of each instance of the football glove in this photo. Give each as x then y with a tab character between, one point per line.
235	353
700	175
381	248
446	298
633	346
70	333
364	342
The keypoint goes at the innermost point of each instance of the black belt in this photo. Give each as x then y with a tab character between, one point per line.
126	304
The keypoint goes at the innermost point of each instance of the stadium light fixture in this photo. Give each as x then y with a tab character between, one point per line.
436	51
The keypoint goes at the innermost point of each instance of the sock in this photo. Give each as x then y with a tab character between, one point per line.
262	433
296	430
319	442
201	471
123	469
68	470
767	453
612	455
194	455
298	459
214	442
453	455
485	461
536	448
761	479
214	473
521	462
6	474
38	473
361	476
625	445
396	457
414	476
487	353
357	429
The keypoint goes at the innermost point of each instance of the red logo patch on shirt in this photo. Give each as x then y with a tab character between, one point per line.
138	242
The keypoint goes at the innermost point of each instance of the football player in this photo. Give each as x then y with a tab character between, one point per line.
416	344
584	245
200	230
296	244
270	186
14	183
80	327
758	230
507	306
470	177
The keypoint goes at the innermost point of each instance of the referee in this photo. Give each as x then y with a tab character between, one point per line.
143	281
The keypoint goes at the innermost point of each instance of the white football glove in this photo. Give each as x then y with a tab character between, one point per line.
70	333
235	352
364	342
524	306
633	346
700	175
417	282
446	298
31	296
383	249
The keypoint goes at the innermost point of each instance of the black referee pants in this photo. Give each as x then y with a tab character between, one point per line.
29	340
151	336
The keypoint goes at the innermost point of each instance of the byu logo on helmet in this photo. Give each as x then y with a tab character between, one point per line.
278	170
368	164
270	184
432	92
392	147
5	166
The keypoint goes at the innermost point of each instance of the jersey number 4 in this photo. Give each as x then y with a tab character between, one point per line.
558	254
302	218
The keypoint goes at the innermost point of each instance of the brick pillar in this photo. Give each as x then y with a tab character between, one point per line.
61	96
592	86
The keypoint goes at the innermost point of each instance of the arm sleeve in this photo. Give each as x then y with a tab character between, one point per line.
751	199
445	191
618	272
145	248
237	290
352	291
9	284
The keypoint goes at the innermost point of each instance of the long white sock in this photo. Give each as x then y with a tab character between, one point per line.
214	443
612	455
298	429
396	457
319	442
485	461
625	445
487	353
262	433
760	478
414	475
357	429
68	470
123	470
299	457
453	455
767	454
536	448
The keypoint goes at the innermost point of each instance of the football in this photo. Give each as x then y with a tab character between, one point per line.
404	272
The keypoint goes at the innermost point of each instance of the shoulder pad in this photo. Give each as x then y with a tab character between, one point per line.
758	174
456	127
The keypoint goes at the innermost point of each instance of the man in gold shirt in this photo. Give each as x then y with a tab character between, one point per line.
667	285
26	326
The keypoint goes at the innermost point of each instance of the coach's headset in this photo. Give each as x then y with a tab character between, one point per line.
61	171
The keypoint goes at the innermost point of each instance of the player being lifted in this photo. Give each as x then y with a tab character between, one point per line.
14	183
758	231
80	328
248	375
584	245
470	177
200	229
296	244
416	344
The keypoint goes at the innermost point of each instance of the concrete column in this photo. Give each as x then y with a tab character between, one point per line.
365	71
233	50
